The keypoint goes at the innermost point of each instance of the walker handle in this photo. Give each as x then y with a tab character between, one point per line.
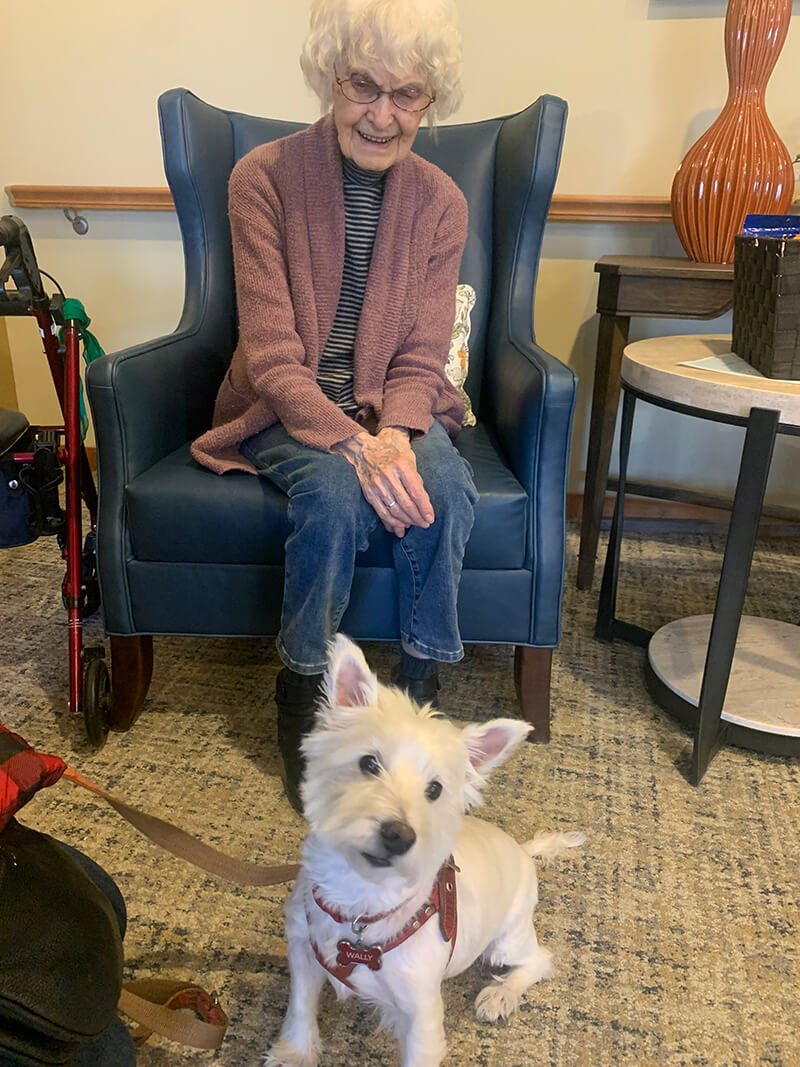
9	230
20	264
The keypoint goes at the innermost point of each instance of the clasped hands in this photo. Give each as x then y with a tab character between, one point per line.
387	471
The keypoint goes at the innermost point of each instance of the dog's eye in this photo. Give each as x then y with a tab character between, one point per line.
433	790
369	765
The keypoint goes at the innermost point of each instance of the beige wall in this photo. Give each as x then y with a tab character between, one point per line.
8	390
643	79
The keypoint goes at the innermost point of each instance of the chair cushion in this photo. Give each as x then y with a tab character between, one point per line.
180	512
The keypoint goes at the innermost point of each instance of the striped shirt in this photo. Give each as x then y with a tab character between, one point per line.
363	199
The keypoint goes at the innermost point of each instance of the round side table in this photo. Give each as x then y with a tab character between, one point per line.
732	678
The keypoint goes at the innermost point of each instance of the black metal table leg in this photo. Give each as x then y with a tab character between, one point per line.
759	442
607	626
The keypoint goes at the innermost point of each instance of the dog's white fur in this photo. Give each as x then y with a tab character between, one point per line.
345	807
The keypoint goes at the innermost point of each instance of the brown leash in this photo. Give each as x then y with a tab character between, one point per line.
155	1003
187	847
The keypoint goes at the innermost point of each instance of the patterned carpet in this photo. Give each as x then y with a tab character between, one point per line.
674	929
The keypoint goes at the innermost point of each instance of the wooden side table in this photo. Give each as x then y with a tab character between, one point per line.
733	678
650	286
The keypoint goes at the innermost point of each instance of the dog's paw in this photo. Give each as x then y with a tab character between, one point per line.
282	1054
495	1002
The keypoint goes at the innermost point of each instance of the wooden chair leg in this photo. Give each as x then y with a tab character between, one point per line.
532	667
131	671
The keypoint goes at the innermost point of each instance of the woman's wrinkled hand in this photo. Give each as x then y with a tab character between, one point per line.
387	471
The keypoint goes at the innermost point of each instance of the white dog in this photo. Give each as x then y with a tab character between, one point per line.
398	889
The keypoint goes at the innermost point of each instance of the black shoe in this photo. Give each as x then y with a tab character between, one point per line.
296	698
421	690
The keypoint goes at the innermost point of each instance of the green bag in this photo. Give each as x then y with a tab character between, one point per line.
74	309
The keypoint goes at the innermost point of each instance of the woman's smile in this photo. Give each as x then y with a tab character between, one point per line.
372	138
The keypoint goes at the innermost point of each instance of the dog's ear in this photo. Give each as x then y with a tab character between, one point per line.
349	683
489	743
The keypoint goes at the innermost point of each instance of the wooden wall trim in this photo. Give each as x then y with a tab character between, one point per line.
641	508
90	197
609	209
662	513
123	198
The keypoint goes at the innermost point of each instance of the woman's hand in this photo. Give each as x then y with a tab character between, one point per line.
387	470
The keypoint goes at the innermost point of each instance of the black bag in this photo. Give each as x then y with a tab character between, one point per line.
60	952
29	503
61	937
15	503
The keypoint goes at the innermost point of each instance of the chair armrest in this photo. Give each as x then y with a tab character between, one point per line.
529	408
529	404
146	401
150	399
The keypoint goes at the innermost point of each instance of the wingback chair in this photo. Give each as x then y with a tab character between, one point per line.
183	551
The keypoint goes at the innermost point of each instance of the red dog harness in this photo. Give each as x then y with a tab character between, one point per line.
442	899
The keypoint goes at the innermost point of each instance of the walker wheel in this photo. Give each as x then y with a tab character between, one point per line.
96	701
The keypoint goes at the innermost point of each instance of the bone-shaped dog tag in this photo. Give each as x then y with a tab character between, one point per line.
350	953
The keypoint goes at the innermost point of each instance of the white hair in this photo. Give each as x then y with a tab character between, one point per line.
404	36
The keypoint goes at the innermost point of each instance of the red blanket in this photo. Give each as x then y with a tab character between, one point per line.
23	771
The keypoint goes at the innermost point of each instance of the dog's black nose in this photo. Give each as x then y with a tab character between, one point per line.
397	837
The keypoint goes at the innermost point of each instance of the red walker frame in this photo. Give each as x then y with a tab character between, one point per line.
89	683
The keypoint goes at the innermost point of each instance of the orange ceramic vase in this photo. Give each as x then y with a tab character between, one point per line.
739	165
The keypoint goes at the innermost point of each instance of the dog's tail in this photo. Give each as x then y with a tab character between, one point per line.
548	846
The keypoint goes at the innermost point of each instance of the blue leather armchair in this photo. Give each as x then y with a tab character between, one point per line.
184	551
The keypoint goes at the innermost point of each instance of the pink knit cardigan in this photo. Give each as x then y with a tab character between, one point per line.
286	207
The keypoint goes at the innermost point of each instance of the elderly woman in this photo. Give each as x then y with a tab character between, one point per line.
347	249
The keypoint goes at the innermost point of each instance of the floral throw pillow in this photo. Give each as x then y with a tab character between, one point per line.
458	358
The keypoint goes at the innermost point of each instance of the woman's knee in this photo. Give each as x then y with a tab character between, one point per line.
453	499
320	476
441	466
449	485
330	494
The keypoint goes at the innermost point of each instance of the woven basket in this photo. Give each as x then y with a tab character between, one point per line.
766	304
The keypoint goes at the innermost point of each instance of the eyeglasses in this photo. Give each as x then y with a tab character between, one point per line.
361	89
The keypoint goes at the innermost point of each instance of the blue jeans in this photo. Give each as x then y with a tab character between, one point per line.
331	522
